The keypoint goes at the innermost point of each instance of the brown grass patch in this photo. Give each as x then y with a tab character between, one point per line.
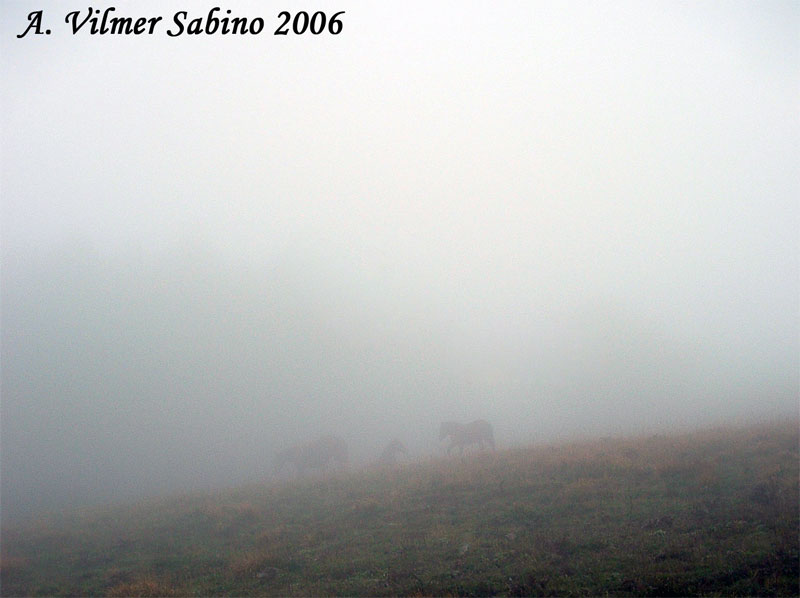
146	586
255	563
11	563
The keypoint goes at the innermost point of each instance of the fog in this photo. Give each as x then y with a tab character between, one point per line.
569	219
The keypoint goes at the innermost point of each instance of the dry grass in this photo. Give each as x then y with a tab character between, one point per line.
10	564
144	587
256	563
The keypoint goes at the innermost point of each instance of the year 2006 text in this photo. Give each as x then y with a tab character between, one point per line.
296	23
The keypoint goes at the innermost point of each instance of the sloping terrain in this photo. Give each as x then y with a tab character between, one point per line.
709	513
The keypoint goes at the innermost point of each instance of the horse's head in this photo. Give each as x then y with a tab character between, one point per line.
446	429
395	446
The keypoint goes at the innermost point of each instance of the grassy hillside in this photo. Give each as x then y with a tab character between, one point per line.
711	513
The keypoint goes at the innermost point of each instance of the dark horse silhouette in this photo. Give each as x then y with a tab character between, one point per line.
462	435
316	454
389	454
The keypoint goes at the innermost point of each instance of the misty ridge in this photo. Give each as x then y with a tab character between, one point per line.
135	373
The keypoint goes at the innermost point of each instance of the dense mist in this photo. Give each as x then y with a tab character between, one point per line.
569	220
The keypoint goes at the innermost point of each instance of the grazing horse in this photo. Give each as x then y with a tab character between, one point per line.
316	454
461	435
389	454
